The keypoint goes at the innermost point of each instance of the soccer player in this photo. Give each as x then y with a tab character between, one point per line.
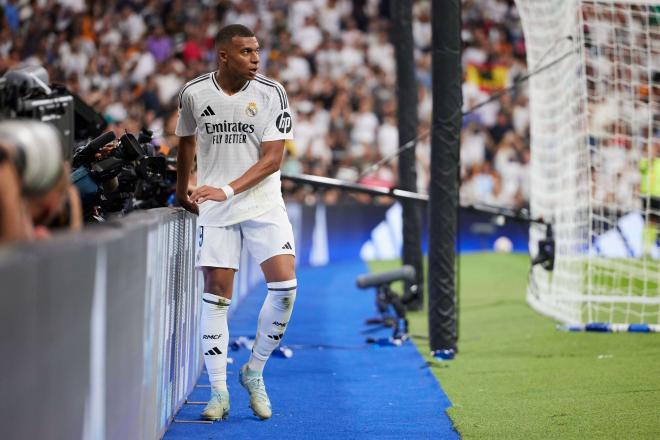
238	120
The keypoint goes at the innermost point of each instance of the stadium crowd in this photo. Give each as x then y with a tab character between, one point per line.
129	59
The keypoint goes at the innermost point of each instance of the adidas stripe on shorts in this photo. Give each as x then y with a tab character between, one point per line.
265	236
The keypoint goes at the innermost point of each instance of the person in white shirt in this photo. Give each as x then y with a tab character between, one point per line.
238	121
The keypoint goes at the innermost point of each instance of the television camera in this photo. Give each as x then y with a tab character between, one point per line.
112	175
387	300
119	175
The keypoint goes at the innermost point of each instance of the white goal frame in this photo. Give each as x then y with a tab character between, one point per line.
607	54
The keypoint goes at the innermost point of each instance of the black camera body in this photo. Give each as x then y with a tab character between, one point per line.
142	180
128	150
129	176
24	94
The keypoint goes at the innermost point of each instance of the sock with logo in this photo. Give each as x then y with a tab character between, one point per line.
273	320
215	338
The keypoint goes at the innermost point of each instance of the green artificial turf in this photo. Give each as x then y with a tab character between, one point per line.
517	377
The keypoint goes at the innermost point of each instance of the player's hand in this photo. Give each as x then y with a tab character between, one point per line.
187	204
204	193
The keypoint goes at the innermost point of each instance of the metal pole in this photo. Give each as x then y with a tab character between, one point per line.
402	39
443	194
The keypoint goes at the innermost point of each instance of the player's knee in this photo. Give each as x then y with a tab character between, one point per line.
217	289
219	282
280	267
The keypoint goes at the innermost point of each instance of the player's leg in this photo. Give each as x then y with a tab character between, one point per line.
279	272
218	256
270	240
216	299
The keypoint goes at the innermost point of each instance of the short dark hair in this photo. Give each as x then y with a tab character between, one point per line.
230	31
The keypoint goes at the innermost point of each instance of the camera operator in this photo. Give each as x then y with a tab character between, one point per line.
36	194
13	220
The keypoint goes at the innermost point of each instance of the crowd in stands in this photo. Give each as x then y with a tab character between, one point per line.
129	59
623	86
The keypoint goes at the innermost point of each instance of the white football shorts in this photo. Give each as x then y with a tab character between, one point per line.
265	236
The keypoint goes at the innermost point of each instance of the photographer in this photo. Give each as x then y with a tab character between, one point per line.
36	194
13	220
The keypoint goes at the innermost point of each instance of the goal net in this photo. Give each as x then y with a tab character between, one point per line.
594	142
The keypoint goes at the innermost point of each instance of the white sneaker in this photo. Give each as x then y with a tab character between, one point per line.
218	406
253	382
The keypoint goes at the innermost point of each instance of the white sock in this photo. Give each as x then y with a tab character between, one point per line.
273	320
215	338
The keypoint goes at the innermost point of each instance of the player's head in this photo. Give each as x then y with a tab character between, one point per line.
238	51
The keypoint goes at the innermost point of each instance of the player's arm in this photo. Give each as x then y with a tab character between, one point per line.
270	161
184	161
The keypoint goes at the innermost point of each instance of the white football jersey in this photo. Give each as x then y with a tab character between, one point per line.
229	132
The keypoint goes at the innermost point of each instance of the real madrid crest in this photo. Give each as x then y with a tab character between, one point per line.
251	109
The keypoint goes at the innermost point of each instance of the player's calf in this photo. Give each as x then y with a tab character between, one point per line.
215	340
273	321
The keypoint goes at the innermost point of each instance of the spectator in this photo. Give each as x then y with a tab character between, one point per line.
143	64
502	126
131	24
308	37
474	142
11	15
388	137
365	124
159	44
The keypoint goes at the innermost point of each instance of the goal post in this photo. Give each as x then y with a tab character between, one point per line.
594	142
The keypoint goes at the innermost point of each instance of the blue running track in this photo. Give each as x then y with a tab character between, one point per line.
335	386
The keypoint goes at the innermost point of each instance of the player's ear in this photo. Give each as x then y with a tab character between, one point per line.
222	54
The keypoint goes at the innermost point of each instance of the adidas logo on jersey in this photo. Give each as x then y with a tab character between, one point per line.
208	112
287	246
212	352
